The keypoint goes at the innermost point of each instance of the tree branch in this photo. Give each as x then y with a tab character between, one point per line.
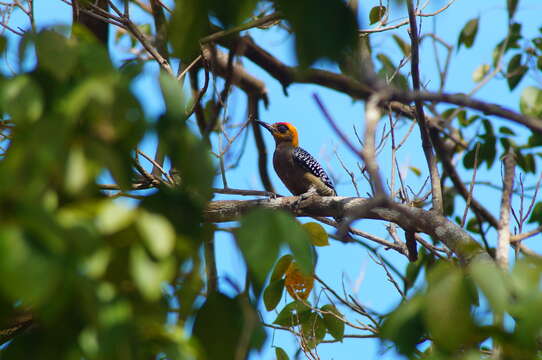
253	114
399	103
407	217
503	244
427	145
463	100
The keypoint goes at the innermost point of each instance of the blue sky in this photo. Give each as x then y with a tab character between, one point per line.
347	265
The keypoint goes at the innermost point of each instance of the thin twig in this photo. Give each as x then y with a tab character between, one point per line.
503	244
420	116
405	22
154	163
526	235
252	24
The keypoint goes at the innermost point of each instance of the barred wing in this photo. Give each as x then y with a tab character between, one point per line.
309	163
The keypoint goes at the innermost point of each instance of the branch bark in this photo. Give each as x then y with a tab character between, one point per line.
503	244
407	217
399	101
427	145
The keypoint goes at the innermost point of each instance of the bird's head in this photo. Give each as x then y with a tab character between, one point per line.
283	132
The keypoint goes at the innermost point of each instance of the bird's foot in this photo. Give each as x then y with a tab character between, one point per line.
304	196
271	195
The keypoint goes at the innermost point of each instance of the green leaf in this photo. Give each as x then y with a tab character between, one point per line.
150	275
468	33
172	92
333	324
22	98
447	311
388	70
473	226
3	44
526	162
415	170
217	314
515	71
480	72
95	91
376	14
273	293
405	326
449	197
189	23
488	127
113	217
293	314
332	22
535	140
536	215
403	45
525	277
231	12
314	329
281	266
487	151
189	154
77	174
299	243
413	270
317	234
56	54
468	159
259	242
260	236
489	278
157	233
531	101
281	354
506	130
525	280
27	275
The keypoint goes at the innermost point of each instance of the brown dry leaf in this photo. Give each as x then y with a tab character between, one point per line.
297	284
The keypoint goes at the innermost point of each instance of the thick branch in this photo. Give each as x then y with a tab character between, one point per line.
463	100
218	62
20	323
407	217
287	75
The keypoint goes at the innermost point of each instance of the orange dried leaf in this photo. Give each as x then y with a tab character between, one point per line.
298	285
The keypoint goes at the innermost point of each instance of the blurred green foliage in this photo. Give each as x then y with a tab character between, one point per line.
92	269
111	279
452	309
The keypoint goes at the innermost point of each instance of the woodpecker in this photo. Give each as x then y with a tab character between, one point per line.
299	171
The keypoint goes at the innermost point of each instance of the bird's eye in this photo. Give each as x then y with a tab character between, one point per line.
282	128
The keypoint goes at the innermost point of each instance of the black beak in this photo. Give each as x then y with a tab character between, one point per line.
265	125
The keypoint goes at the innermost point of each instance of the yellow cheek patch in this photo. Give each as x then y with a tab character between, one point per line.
289	136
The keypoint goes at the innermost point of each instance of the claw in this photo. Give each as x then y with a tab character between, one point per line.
312	191
305	196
